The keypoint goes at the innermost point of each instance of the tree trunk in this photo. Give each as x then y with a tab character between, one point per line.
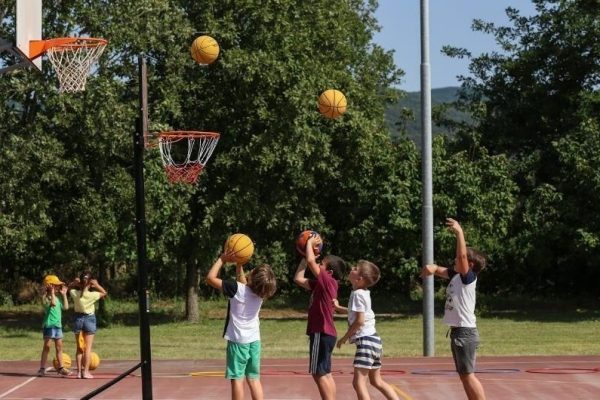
191	292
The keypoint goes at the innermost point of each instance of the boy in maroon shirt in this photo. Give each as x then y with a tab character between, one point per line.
321	327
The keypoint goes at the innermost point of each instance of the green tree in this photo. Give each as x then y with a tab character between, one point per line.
537	102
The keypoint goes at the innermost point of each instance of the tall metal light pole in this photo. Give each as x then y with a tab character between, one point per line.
427	207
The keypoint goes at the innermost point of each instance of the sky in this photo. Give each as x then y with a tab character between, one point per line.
449	24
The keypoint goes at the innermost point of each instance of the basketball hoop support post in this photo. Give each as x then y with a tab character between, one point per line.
140	222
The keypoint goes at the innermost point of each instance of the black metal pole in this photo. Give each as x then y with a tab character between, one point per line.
140	222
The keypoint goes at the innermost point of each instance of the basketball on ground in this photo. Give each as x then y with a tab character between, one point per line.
94	361
241	245
303	238
205	50
66	362
332	103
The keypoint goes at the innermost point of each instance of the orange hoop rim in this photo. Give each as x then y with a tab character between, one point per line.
188	134
39	47
78	42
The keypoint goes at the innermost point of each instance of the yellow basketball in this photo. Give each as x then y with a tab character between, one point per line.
332	103
205	50
242	246
94	360
66	362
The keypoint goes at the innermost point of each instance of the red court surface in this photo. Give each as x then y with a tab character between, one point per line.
509	378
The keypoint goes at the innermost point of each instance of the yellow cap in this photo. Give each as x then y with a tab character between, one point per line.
52	280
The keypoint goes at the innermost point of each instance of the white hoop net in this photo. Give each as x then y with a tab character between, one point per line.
73	62
184	154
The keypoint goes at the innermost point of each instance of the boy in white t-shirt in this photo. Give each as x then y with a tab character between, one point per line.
242	326
361	331
459	310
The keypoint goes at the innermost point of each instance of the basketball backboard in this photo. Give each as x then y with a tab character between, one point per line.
29	26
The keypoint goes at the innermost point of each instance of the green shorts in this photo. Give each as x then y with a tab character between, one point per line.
243	360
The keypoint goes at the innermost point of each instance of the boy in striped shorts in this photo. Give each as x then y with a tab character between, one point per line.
361	331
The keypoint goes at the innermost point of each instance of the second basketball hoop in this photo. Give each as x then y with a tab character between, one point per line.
185	153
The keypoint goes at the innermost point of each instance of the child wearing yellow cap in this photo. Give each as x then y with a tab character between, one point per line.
52	326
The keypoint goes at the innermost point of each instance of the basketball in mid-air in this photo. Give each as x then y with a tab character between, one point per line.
242	247
303	238
205	50
332	103
66	361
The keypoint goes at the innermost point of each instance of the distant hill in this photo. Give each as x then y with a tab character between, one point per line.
412	102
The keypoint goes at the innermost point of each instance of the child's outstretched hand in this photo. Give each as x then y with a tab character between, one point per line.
63	289
453	225
314	242
428	270
342	341
228	256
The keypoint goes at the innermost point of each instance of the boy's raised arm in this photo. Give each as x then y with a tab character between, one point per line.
240	275
462	262
299	277
433	269
212	278
311	259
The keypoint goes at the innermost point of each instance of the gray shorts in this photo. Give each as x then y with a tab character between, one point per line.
464	343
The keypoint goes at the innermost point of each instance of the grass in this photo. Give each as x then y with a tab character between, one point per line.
541	329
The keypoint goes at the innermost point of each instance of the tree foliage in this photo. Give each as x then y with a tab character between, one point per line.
537	103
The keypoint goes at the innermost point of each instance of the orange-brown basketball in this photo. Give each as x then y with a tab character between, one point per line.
94	361
332	103
303	238
66	359
241	245
205	50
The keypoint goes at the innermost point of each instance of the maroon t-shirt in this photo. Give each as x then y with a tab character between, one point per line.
320	311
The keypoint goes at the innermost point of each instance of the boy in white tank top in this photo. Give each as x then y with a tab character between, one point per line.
459	310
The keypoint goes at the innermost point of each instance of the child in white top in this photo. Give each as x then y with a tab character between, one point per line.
459	310
361	331
242	326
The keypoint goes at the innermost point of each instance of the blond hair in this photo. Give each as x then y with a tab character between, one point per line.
368	271
262	282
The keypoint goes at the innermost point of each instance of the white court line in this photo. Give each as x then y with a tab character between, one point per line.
16	387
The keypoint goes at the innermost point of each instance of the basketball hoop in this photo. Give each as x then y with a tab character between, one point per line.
72	58
184	164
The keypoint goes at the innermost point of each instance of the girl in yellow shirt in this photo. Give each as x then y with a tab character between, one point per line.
85	292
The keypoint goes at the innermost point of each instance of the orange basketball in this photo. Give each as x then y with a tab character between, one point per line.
94	361
205	50
303	238
241	245
332	103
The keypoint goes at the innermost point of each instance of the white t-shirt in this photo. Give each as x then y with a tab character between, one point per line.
360	301
242	324
459	310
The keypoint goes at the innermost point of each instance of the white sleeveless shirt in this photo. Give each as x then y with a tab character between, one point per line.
459	310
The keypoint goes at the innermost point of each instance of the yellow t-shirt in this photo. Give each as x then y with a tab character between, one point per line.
84	302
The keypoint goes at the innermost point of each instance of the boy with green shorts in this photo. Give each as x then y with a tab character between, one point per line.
242	330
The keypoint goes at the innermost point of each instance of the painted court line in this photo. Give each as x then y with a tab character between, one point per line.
401	393
16	388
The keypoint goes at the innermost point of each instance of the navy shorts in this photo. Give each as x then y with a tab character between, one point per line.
85	323
321	347
464	343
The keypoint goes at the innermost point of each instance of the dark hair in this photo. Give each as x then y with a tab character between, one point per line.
478	259
336	265
369	272
262	282
85	276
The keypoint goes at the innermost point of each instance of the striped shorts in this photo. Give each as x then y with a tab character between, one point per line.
369	351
